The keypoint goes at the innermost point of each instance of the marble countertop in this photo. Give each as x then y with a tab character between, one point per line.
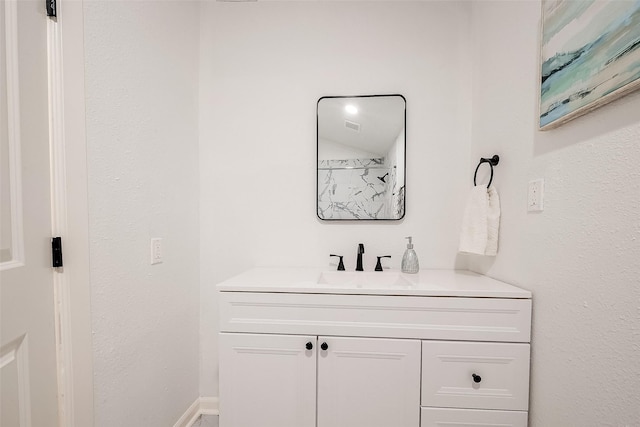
438	283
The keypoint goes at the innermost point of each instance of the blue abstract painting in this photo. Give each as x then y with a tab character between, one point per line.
590	56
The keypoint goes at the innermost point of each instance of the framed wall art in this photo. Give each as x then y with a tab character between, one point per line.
590	56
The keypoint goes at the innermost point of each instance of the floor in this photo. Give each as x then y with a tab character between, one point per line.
206	421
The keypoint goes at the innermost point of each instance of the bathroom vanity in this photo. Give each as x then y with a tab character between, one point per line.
307	348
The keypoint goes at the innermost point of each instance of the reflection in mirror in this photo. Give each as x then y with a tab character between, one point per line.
361	157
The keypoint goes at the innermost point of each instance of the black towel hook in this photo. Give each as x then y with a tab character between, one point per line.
493	161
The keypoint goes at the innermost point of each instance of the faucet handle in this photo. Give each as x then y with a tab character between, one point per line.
340	264
379	264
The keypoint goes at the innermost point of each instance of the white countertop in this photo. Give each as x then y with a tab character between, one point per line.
437	283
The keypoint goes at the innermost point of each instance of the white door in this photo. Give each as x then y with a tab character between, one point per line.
267	380
368	382
28	376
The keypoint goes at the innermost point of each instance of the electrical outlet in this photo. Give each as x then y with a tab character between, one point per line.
535	201
156	250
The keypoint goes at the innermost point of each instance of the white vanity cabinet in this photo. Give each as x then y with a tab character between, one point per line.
274	380
451	349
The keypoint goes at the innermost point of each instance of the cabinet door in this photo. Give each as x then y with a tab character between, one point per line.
368	382
267	380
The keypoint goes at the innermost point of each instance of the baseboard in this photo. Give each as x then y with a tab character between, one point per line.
209	406
190	416
202	406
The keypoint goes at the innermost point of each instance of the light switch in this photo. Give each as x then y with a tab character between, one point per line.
156	250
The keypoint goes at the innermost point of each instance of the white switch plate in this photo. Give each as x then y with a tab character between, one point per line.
535	201
156	250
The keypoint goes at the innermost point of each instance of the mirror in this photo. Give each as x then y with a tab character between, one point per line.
361	157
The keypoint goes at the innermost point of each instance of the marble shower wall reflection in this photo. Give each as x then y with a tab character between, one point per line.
359	189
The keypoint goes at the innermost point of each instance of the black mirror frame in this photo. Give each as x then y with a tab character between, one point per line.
404	210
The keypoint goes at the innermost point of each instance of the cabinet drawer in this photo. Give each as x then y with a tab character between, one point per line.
475	375
445	417
376	316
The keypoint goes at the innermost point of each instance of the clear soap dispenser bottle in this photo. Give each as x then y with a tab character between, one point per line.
410	259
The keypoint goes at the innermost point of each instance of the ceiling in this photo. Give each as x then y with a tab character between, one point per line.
381	119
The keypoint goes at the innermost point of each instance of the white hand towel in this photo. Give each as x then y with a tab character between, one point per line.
481	222
493	222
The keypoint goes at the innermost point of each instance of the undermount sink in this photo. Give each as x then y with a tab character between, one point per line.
364	280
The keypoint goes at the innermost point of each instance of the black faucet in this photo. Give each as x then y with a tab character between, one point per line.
340	264
359	262
379	264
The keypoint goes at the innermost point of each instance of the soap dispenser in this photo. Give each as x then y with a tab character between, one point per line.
410	259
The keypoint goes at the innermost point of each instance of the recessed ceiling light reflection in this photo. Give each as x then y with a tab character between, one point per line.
351	109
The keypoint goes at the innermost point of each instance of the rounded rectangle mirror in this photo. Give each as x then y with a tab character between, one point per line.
361	157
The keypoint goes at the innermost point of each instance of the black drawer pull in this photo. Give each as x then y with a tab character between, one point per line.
476	378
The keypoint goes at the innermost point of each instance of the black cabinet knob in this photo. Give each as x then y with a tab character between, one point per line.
309	346
324	346
476	378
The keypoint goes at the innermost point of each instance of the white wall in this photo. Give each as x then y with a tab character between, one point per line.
263	67
331	150
580	257
141	112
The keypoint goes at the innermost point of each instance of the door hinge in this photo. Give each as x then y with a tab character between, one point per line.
52	11
56	251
